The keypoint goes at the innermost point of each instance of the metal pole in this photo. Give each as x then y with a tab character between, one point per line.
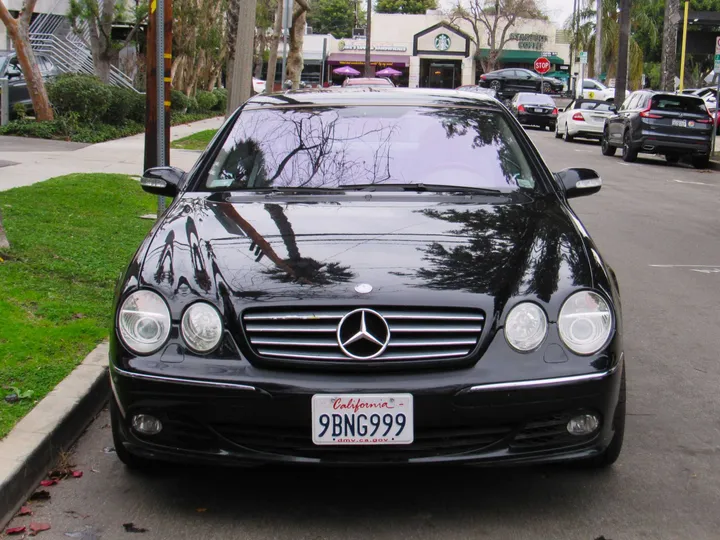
287	23
4	101
542	83
684	41
322	66
160	90
717	111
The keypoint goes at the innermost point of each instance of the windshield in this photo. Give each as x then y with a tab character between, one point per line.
328	147
683	104
537	99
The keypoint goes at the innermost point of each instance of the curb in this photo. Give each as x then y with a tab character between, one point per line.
714	165
53	425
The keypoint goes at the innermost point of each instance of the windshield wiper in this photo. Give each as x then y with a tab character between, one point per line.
420	187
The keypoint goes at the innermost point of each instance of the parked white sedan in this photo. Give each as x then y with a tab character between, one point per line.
583	118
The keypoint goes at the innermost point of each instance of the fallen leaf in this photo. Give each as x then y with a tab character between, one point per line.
41	495
201	510
93	469
131	528
15	530
77	474
38	527
109	450
25	511
48	483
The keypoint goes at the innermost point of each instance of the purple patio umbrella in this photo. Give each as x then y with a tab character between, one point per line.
388	72
346	70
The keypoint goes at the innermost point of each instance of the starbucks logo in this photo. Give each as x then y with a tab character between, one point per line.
442	42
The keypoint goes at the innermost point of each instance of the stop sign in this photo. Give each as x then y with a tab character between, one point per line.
542	65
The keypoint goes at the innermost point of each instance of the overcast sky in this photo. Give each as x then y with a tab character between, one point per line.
559	10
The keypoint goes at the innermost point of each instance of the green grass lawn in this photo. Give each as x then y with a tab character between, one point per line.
196	141
70	239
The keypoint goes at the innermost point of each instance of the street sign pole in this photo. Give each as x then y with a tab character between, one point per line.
716	70
583	62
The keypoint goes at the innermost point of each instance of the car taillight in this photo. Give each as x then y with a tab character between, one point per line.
578	116
647	114
555	111
708	120
521	108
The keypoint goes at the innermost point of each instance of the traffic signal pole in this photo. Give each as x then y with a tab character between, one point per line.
157	96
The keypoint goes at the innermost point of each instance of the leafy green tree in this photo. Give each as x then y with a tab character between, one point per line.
336	17
405	6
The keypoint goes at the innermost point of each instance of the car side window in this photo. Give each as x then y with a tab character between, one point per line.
571	105
627	105
588	85
642	101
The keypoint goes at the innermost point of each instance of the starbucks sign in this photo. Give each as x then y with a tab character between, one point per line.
442	42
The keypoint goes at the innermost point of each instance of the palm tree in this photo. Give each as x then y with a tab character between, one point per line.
584	32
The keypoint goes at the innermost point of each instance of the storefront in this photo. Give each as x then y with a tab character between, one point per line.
441	58
382	55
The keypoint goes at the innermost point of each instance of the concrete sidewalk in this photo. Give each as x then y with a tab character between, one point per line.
124	156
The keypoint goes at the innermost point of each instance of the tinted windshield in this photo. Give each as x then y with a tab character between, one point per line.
328	147
594	105
537	99
684	104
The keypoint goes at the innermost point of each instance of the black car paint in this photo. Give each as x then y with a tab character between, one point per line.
17	85
416	249
547	118
647	136
508	82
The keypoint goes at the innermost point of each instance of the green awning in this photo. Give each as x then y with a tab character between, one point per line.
518	56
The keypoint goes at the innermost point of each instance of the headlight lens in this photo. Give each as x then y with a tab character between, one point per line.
144	322
525	327
202	327
585	322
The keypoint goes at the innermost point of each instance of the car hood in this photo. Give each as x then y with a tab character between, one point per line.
416	250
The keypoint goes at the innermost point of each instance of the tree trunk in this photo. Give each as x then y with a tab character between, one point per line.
19	31
241	82
261	43
622	66
4	243
368	41
668	66
297	36
597	68
274	43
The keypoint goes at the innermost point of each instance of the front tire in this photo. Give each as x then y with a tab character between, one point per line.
700	162
546	88
630	154
612	452
131	461
605	146
496	85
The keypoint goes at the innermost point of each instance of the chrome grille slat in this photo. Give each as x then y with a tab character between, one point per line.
416	334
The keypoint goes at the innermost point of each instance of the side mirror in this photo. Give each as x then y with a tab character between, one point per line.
163	181
579	182
613	109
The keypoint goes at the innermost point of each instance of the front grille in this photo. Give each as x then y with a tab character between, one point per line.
428	442
415	333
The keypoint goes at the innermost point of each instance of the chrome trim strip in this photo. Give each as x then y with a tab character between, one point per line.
540	383
179	380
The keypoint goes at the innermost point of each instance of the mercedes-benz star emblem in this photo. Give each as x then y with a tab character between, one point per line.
363	334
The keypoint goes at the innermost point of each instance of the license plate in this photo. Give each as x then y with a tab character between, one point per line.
358	419
679	123
538	110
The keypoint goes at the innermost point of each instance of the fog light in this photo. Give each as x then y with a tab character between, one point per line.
149	425
583	424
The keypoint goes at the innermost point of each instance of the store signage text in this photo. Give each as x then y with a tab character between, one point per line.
360	46
533	42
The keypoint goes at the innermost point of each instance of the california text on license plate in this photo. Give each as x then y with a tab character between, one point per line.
349	419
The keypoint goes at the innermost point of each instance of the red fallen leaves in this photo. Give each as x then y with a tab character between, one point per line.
15	530
48	483
77	474
25	511
38	527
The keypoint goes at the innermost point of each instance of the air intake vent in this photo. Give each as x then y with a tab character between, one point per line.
410	334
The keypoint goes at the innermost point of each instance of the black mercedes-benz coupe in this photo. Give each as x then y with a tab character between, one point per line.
368	277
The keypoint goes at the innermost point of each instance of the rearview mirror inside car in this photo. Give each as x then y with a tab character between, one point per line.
579	182
162	181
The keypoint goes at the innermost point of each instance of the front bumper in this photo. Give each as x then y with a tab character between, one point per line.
255	421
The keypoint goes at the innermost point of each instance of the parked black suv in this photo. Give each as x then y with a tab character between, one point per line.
10	69
508	82
673	125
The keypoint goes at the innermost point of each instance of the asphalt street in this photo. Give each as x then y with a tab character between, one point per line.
657	224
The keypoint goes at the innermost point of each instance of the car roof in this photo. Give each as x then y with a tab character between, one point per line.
322	97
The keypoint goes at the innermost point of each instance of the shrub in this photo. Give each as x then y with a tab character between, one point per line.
178	101
19	111
120	105
206	100
83	94
222	95
137	109
192	105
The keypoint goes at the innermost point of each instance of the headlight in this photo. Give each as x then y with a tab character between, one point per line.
585	322
144	322
202	327
525	327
